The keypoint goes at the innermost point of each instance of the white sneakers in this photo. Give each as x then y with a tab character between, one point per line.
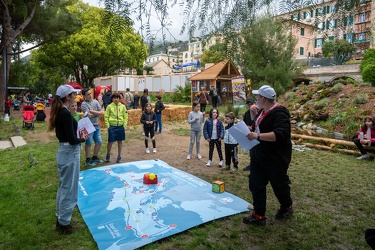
147	151
209	163
362	157
188	157
199	156
154	150
221	163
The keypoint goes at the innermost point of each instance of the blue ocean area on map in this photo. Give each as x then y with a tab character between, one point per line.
122	212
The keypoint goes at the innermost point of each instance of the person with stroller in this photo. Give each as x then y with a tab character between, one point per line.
67	157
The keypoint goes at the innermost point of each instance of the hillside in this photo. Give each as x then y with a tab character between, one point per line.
338	108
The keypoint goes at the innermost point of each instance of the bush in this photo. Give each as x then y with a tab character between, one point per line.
290	96
361	98
368	59
321	104
368	74
337	88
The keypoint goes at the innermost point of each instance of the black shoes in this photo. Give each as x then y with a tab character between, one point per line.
247	168
255	219
68	229
284	213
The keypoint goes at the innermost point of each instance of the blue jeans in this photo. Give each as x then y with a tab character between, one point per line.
94	135
158	123
68	166
195	136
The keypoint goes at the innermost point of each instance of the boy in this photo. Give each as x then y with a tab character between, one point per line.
231	145
116	120
159	107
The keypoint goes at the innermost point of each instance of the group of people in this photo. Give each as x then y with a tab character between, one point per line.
268	163
269	123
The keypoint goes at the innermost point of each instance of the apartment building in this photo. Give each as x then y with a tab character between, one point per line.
169	58
312	25
196	47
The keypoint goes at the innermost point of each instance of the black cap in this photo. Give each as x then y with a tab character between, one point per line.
250	100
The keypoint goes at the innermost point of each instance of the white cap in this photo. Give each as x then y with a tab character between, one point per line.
266	91
64	90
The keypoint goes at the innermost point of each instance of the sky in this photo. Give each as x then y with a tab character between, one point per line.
174	15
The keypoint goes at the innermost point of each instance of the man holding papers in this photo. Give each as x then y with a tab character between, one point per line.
271	157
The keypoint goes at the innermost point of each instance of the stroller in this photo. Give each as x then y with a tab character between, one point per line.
28	113
16	105
40	114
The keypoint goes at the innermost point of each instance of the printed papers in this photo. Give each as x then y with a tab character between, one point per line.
239	132
85	125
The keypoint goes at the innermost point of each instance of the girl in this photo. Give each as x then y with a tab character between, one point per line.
213	131
195	119
148	120
203	99
366	136
67	157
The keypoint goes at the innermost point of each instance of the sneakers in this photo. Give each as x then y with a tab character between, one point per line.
154	150
147	151
69	229
362	157
96	160
118	159
284	213
221	163
209	163
247	168
90	163
255	219
188	157
107	157
199	156
233	170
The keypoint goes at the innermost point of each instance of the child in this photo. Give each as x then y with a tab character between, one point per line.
366	136
40	115
159	107
73	110
148	120
8	104
231	149
195	119
213	131
116	120
136	100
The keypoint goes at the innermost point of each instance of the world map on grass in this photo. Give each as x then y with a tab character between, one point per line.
122	212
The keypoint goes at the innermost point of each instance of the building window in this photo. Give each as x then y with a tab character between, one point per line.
362	17
301	51
348	37
186	55
302	31
361	36
331	38
318	42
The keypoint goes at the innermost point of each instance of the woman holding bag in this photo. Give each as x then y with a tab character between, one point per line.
203	100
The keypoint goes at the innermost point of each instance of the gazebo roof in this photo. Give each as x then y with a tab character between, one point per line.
223	70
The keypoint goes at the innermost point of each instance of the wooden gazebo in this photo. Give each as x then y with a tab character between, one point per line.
220	76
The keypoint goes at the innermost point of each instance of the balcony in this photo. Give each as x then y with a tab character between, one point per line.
366	40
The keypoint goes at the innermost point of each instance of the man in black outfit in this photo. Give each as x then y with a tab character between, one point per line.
270	158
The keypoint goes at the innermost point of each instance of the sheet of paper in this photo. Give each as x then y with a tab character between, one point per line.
85	124
239	132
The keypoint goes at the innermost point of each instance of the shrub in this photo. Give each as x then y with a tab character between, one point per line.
368	74
352	81
361	98
290	96
337	88
321	103
323	94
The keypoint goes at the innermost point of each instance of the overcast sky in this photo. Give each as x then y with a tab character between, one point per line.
174	14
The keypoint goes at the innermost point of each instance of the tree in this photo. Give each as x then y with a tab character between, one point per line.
368	66
215	54
88	53
29	21
266	53
340	50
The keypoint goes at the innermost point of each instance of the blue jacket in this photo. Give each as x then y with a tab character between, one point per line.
208	126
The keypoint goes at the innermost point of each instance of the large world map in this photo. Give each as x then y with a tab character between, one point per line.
122	212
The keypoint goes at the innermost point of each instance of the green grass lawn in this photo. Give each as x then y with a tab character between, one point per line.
333	198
